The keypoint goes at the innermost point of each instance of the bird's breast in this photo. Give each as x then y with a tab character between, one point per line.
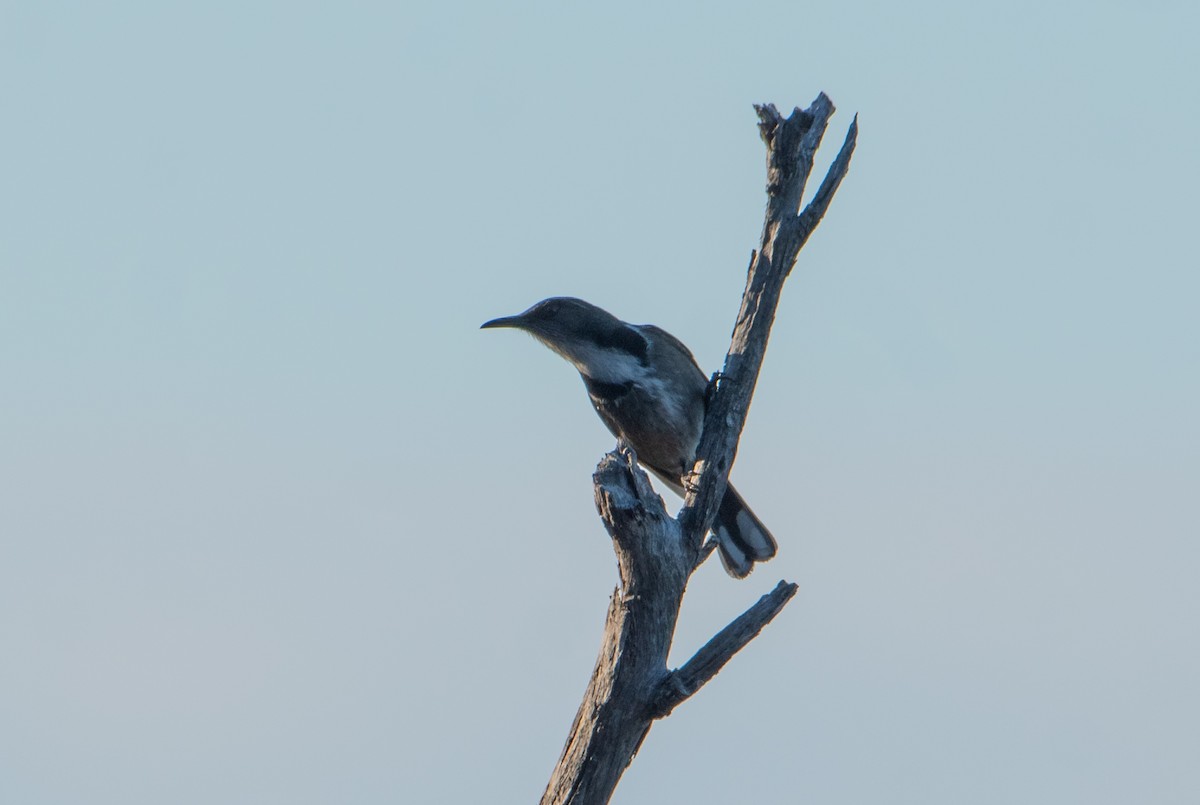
662	424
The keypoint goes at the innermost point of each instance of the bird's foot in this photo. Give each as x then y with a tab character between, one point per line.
713	382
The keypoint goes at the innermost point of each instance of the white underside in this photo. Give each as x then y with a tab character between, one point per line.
617	367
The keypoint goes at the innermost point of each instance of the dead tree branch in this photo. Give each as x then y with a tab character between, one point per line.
791	143
631	685
711	658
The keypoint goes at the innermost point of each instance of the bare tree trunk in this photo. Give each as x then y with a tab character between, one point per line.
631	685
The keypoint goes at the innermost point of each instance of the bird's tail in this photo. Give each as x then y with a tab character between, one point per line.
741	537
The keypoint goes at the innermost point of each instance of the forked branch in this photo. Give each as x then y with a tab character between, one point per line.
631	685
791	144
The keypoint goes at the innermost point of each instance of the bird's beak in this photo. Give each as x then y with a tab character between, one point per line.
503	321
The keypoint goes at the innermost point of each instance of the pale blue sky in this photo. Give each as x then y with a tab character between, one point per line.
280	525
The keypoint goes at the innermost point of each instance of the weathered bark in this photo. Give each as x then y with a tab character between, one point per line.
631	685
791	143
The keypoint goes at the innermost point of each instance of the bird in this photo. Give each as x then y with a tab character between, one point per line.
650	392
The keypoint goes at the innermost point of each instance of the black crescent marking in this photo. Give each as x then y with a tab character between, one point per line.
603	392
627	340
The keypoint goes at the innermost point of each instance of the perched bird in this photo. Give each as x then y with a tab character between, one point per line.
646	386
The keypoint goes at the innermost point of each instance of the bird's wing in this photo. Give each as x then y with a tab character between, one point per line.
668	341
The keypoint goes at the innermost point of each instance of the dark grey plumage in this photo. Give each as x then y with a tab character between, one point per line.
649	391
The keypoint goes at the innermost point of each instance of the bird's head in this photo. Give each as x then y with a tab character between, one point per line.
578	331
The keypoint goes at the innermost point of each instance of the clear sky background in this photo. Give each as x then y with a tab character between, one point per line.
278	524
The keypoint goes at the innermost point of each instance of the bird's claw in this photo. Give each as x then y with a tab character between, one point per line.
713	383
